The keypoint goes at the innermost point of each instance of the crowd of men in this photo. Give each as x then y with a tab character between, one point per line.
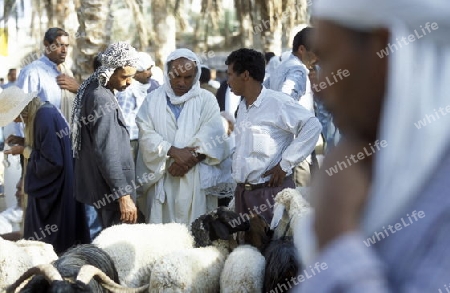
139	151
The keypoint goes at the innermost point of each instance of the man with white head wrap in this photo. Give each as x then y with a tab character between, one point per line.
104	167
130	100
181	137
382	224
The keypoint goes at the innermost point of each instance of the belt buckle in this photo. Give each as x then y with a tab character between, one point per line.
247	186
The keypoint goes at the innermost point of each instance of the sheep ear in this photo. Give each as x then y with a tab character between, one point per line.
219	231
277	215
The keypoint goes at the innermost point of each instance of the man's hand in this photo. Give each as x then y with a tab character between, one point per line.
14	150
184	157
339	198
128	210
278	176
66	82
176	170
15	140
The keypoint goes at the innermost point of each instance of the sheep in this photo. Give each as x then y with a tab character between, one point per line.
243	271
274	244
290	206
74	272
198	269
135	255
135	248
17	257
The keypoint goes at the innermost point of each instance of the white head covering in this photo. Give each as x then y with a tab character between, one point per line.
418	83
12	101
195	90
144	61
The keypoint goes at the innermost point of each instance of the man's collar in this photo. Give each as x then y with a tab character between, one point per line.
260	98
49	62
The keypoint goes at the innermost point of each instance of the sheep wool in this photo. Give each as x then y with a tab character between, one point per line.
17	257
243	271
195	270
136	248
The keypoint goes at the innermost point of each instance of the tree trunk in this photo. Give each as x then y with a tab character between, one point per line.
93	35
141	25
164	24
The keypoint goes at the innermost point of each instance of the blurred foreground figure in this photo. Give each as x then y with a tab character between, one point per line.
382	220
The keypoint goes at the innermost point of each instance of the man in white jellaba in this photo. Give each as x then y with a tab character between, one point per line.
381	100
177	125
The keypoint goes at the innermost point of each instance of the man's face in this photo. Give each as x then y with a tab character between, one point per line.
355	99
235	81
308	57
57	51
121	78
12	76
144	76
182	74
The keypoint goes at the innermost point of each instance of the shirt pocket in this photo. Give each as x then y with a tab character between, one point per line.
261	142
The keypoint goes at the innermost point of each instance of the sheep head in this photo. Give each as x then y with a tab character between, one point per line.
218	224
48	279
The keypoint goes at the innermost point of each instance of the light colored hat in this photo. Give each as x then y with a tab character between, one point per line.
12	101
144	61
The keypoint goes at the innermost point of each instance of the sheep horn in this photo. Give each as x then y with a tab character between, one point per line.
87	272
49	272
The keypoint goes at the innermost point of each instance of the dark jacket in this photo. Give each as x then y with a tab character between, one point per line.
104	169
52	214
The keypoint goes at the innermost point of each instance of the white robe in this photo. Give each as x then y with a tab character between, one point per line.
168	198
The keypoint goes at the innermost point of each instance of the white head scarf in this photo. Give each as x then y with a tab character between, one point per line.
195	90
418	83
144	61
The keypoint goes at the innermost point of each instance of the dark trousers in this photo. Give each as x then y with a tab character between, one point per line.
260	201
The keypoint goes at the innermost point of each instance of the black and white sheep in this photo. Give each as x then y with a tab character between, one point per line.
84	268
275	245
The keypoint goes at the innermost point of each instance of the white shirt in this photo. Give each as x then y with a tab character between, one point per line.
265	136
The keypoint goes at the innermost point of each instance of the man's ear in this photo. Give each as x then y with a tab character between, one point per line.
246	75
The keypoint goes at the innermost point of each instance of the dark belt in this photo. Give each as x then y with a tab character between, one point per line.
250	187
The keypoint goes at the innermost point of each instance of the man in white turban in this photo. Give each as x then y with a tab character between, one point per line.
381	222
181	139
130	100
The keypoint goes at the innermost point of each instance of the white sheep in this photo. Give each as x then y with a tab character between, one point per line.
290	206
17	257
198	269
243	271
135	248
190	270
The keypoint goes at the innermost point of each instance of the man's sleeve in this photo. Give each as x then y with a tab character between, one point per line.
108	147
295	83
28	80
352	267
306	129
